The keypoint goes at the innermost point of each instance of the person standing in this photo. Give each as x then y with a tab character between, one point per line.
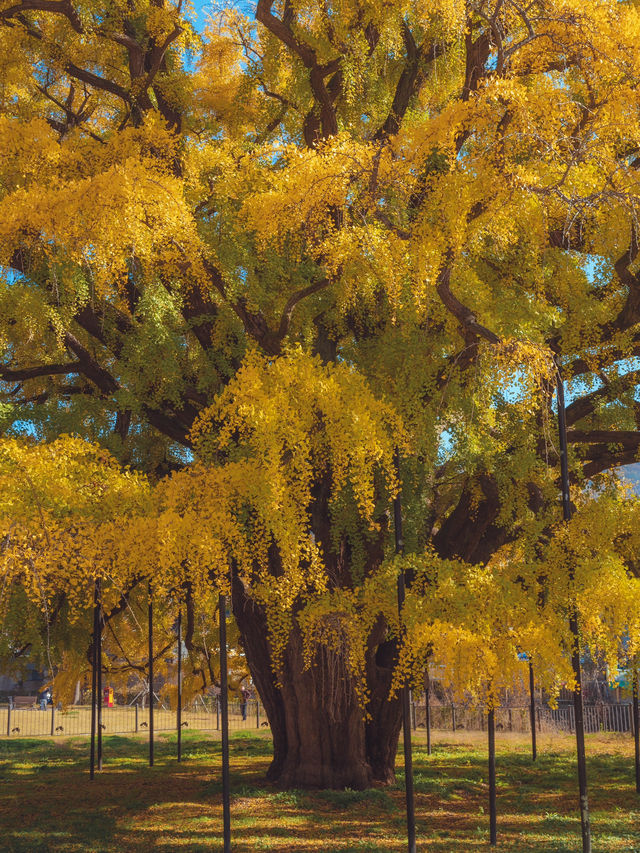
244	698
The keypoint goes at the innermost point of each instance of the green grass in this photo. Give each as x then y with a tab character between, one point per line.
48	804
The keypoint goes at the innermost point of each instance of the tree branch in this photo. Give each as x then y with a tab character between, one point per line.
89	367
8	374
282	32
61	7
626	438
471	329
586	405
409	82
325	95
294	300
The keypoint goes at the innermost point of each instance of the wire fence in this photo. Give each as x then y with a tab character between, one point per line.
206	716
128	719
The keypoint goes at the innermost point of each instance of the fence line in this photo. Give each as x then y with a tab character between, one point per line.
205	716
597	718
128	719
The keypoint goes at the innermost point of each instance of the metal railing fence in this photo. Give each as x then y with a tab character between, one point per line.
205	716
599	717
127	719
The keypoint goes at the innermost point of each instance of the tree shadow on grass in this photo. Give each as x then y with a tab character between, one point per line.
48	803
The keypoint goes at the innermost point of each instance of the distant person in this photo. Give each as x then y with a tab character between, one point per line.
244	698
45	698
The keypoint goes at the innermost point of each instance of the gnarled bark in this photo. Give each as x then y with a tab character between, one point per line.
320	735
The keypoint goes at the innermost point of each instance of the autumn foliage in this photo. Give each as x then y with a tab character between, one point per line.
240	267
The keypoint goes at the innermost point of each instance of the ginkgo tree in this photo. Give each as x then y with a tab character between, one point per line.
291	242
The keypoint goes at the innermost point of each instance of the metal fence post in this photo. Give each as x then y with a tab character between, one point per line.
150	639
578	708
94	682
257	713
136	707
635	690
179	709
427	711
491	726
53	719
405	698
532	712
99	676
9	720
224	696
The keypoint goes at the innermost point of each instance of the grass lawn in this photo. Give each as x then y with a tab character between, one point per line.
48	803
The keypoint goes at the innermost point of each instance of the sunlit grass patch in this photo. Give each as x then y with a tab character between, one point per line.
48	804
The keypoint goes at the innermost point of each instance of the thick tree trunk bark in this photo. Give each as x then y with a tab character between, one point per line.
383	726
320	736
324	723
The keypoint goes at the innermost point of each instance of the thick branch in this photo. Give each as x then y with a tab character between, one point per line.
630	313
325	95
477	54
471	329
158	53
8	374
255	324
61	7
586	405
89	367
605	459
625	438
97	82
168	425
282	32
409	82
294	300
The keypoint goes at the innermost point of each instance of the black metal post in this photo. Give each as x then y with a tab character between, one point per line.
636	723
224	707
150	676
406	713
491	728
567	511
99	674
94	678
427	709
532	712
179	685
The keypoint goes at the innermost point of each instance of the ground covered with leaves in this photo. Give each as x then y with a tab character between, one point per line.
47	802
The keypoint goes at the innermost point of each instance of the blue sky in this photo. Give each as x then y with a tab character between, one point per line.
204	6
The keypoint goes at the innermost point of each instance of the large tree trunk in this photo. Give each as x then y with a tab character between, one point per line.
384	721
320	736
